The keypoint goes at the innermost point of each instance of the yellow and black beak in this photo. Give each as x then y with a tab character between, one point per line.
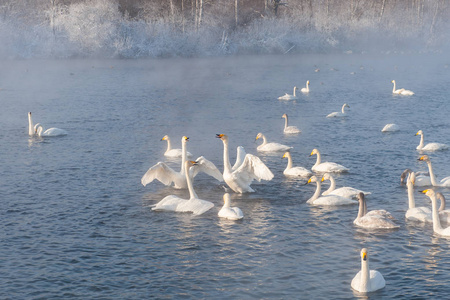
219	136
364	256
424	191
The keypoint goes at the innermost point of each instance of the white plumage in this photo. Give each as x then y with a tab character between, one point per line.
367	280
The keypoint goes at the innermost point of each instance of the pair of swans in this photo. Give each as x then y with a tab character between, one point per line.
437	227
270	147
286	96
194	204
338	114
346	191
38	129
324	167
367	280
429	146
173	152
289	129
445	182
228	212
328	200
375	219
247	168
390	128
401	91
166	175
294	171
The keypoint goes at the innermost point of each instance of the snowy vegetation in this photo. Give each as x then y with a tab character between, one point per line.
162	28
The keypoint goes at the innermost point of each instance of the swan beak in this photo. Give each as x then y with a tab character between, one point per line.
323	178
284	155
312	153
194	162
364	256
186	138
219	136
309	180
424	191
416	133
421	158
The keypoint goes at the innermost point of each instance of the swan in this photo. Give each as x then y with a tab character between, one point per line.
294	171
289	129
39	130
230	213
436	220
305	89
375	219
324	167
193	204
445	182
270	147
330	200
166	175
339	114
31	131
429	146
401	91
240	178
444	214
420	214
420	178
346	191
173	153
390	128
367	280
289	97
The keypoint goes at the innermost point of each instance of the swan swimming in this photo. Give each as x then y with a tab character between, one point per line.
270	147
420	178
390	128
445	182
346	191
401	91
241	176
337	114
437	227
166	175
230	213
328	200
324	167
294	171
193	204
375	219
173	153
367	280
429	146
289	129
305	90
289	97
39	130
420	214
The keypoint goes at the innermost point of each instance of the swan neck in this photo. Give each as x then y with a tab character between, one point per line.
317	192
361	211
285	122
289	165
421	142
226	158
169	145
435	214
432	177
190	185
307	86
332	184
318	160
365	275
442	207
30	125
343	109
294	91
226	203
393	89
39	130
183	155
411	199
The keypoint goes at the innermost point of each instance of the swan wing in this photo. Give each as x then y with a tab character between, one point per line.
273	147
376	281
206	166
298	171
348	192
329	167
54	132
196	206
252	168
231	213
420	214
239	157
168	203
390	128
292	130
333	200
161	172
375	222
435	147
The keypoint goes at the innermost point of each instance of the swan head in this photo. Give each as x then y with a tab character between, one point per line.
165	138
307	82
393	81
420	132
326	176
314	151
260	135
223	137
424	158
184	139
412	178
404	174
190	163
429	192
346	105
364	254
36	127
29	114
312	179
361	197
284	116
286	154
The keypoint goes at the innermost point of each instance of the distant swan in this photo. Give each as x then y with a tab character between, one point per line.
420	178
294	171
230	213
445	182
39	130
339	114
324	167
328	200
289	129
289	97
429	146
375	219
420	214
346	191
401	91
31	131
305	89
173	153
390	128
166	175
367	280
240	178
193	204
270	147
437	227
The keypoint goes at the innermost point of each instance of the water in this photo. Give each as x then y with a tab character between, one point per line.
77	222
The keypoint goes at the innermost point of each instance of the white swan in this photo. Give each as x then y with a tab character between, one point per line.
337	114
420	214
193	204
289	97
270	147
324	167
375	219
39	130
305	89
445	182
437	227
346	191
367	280
166	175
420	178
240	178
294	171
329	200
173	153
230	213
31	131
390	128
401	91
289	129
429	146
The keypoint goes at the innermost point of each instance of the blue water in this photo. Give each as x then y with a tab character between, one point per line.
77	223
